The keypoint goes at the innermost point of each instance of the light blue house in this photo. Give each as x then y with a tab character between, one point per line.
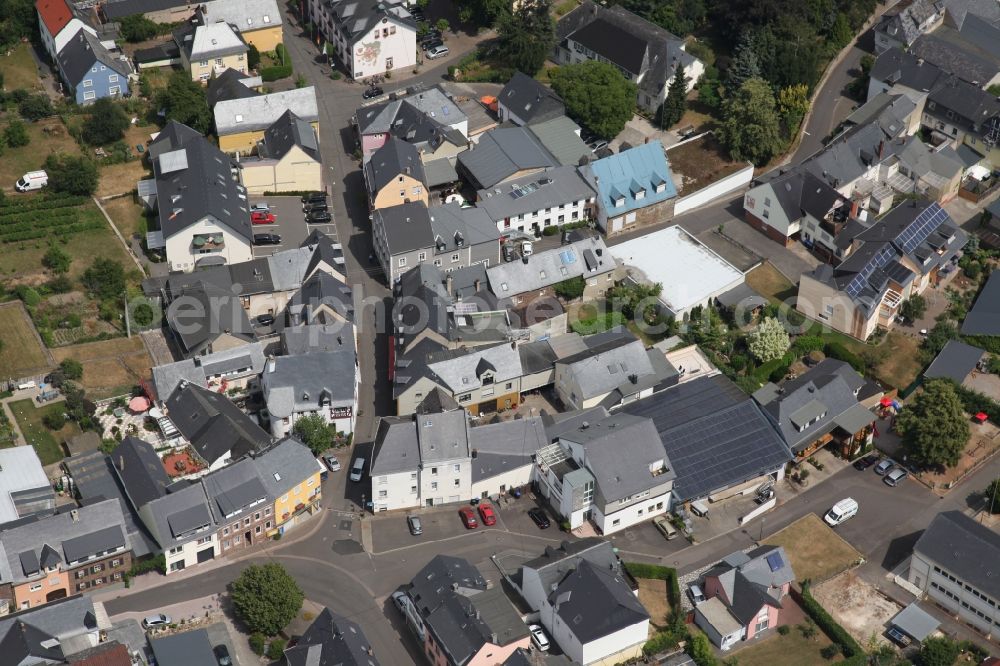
90	71
634	189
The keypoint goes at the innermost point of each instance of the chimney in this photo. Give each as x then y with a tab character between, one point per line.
75	515
449	285
854	208
121	463
881	147
476	284
270	365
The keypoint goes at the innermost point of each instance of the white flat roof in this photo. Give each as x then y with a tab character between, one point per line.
689	271
20	469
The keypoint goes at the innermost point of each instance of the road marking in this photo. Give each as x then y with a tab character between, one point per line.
806	133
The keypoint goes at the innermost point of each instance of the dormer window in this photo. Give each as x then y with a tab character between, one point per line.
619	201
660	187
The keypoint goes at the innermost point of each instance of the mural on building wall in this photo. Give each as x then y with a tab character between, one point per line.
368	53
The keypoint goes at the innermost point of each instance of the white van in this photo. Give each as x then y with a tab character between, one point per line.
357	469
33	180
841	511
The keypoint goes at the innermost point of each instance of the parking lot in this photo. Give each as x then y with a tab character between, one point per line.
289	223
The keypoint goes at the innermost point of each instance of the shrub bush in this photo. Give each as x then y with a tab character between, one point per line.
784	629
54	420
276	72
807	343
276	649
830	651
848	646
839	352
28	295
257	642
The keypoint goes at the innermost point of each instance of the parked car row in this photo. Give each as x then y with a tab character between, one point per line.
315	208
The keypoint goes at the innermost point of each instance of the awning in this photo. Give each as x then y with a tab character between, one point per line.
915	622
855	419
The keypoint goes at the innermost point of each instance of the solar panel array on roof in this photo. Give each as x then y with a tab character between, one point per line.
860	281
774	561
917	231
567	257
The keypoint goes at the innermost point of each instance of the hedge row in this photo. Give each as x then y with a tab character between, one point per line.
276	72
55	200
657	572
44	217
990	343
774	370
52	224
974	402
848	646
42	233
841	353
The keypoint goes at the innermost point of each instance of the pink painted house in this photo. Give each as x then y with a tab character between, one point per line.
744	595
428	119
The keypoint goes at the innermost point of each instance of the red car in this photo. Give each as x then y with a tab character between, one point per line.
487	513
468	517
262	217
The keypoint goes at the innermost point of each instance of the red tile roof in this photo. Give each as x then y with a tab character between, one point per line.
55	14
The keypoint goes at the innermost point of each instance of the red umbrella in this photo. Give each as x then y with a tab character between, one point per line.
886	401
981	417
138	404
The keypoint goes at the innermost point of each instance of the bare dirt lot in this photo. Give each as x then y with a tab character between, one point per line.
856	605
110	367
816	551
653	595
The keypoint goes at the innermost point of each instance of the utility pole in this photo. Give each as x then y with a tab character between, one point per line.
128	324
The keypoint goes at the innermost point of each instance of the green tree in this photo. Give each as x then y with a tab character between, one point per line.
72	174
526	36
938	337
57	259
253	56
672	110
104	279
840	33
933	426
54	420
571	289
701	650
184	101
750	127
314	432
35	107
793	103
442	25
743	66
18	21
992	496
709	87
597	96
266	598
768	341
28	296
106	123
16	134
138	28
142	314
629	297
994	90
71	369
913	308
938	651
276	648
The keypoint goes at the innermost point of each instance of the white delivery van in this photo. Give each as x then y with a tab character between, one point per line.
841	511
33	180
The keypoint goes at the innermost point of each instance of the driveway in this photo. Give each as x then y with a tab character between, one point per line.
289	223
792	262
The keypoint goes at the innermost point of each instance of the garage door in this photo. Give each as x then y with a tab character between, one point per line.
206	555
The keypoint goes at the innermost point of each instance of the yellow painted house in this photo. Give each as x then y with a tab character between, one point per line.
394	175
208	50
241	123
259	21
287	159
291	475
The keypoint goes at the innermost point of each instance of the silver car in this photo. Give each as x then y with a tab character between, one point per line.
158	620
895	476
437	52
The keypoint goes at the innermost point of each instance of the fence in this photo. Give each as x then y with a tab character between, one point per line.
730	183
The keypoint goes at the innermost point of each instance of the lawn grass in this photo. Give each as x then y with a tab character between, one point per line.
768	281
560	9
816	551
902	362
24	259
47	443
19	69
791	649
110	367
127	215
48	137
21	353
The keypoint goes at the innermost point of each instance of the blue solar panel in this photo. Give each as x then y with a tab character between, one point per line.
917	231
774	561
567	257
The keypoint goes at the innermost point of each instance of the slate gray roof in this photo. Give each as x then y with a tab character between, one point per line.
246	15
178	515
140	470
983	34
284	465
984	315
440	172
194	180
561	137
79	55
331	639
890	111
407	227
190	648
456	226
915	622
713	434
213	424
119	9
234	488
462	625
925	162
95	480
288	131
307	382
530	100
198	369
502	153
395	158
904	26
963	547
955	361
464	372
320	291
621	450
211	40
356	17
611	359
948	50
848	156
896	66
595	602
552	188
423	117
260	112
798	191
753	580
973	110
443	436
662	49
229	85
396	447
958	10
586	257
202	313
25	634
816	400
65	537
313	338
501	447
439	578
